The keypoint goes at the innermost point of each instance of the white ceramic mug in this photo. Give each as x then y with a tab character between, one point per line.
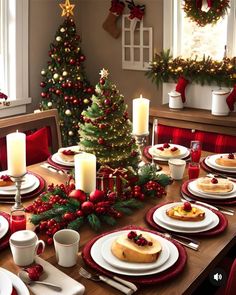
177	167
66	243
24	245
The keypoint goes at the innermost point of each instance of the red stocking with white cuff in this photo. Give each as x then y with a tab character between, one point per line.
180	87
231	99
116	11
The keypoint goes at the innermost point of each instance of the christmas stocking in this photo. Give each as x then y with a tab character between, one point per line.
109	24
231	99
180	87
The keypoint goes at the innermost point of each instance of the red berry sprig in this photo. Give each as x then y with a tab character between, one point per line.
214	180
231	156
187	206
166	145
138	239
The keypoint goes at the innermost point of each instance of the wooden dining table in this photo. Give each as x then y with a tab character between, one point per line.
199	263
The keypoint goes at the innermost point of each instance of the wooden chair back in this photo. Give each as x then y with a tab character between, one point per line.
34	121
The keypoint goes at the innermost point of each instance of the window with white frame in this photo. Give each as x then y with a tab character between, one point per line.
186	39
14	52
136	44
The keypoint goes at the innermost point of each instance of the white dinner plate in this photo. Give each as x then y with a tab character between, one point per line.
16	282
23	191
214	223
153	151
5	283
160	215
192	187
97	257
4	226
28	181
210	161
117	263
57	159
166	159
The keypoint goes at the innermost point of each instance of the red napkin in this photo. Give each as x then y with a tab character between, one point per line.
231	99
164	276
212	232
180	87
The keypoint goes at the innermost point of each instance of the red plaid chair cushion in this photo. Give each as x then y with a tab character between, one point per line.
211	142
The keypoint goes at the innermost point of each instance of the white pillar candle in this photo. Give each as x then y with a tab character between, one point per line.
16	154
85	172
140	116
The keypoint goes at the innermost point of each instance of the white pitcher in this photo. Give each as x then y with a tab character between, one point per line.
175	100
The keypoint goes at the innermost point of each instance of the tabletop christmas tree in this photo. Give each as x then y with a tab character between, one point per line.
106	131
64	84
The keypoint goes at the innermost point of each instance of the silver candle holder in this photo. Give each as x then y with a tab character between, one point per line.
141	140
18	181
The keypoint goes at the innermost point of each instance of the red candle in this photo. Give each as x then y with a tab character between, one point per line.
193	170
195	155
18	222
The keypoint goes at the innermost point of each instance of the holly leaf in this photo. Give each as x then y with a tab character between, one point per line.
94	221
108	219
76	224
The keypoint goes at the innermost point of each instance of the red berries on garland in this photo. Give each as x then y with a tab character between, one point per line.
87	207
79	195
96	196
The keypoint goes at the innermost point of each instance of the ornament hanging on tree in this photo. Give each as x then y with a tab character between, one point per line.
116	10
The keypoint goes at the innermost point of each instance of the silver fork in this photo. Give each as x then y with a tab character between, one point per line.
97	278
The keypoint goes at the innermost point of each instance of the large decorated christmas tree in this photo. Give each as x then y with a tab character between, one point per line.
106	131
64	84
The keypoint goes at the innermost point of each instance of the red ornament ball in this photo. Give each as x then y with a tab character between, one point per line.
87	207
101	140
102	81
68	216
96	196
42	84
107	101
90	90
82	58
79	213
43	94
72	61
79	195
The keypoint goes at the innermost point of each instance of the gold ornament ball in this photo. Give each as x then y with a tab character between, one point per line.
78	78
43	72
86	101
71	133
78	49
58	38
62	30
49	104
68	113
55	76
64	73
61	79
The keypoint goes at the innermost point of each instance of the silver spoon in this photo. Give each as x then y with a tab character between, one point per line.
23	275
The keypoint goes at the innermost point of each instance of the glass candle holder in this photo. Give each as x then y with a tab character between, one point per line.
17	220
193	170
195	151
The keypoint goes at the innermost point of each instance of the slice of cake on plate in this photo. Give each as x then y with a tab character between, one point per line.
167	151
227	160
214	185
5	180
136	246
67	154
186	212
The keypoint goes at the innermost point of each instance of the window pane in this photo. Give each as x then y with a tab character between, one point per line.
208	40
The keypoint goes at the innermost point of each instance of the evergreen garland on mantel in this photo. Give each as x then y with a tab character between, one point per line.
206	71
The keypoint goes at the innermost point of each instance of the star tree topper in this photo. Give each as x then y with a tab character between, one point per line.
104	73
67	8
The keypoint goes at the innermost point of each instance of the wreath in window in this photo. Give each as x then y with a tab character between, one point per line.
205	12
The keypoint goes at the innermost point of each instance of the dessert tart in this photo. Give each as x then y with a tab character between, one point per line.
168	151
67	154
136	246
214	185
227	160
5	180
186	212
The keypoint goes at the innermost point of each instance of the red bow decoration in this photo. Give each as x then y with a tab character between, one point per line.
199	3
136	11
231	99
4	96
117	7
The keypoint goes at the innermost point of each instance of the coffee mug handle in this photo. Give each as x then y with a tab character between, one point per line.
37	250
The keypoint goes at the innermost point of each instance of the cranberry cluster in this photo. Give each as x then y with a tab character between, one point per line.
68	153
174	149
138	239
166	145
231	156
34	271
5	178
214	180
